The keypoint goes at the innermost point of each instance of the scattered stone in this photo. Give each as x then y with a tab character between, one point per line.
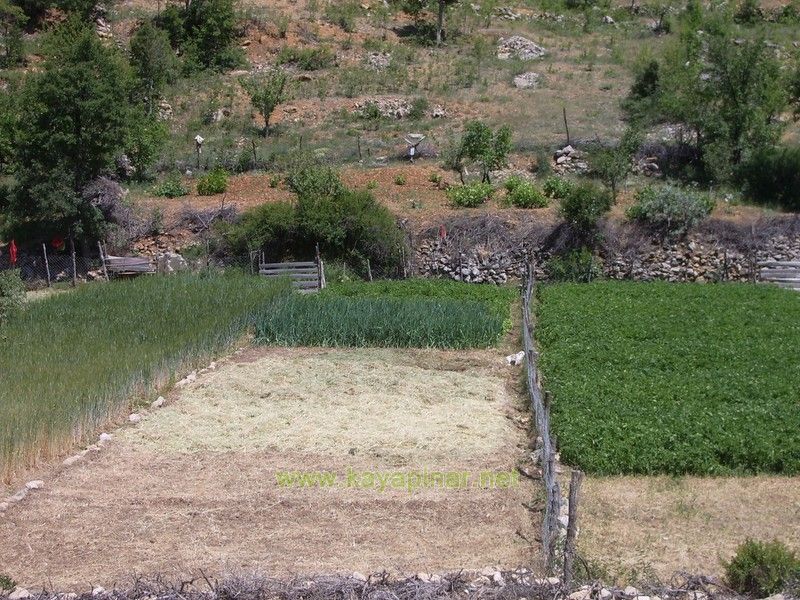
158	402
359	576
170	262
19	496
98	591
106	437
516	359
19	594
134	418
4	506
527	81
219	115
498	579
505	12
581	595
608	20
379	60
36	484
605	594
392	107
630	591
438	112
68	462
519	47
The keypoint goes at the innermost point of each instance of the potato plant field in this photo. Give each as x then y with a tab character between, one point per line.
658	378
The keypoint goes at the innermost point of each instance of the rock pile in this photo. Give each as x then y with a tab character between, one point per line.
519	47
164	111
393	107
527	81
506	13
379	60
101	24
570	160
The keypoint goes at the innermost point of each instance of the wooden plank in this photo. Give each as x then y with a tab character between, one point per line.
286	265
768	273
779	264
295	276
277	272
306	284
784	280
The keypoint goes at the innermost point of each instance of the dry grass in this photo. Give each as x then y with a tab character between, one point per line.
173	501
688	523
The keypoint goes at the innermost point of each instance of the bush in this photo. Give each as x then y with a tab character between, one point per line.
772	177
523	194
400	179
760	569
6	583
307	59
579	266
171	187
216	182
557	187
670	209
12	294
584	205
470	196
312	180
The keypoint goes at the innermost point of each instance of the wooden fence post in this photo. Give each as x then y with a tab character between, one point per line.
103	259
369	271
572	527
46	264
74	265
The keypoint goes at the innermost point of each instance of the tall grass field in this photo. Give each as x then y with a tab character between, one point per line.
412	313
71	362
673	378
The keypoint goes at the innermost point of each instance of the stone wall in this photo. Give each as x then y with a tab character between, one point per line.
698	259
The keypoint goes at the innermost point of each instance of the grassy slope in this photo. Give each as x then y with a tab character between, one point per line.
73	361
667	378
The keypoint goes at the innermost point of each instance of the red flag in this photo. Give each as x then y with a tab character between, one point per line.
12	252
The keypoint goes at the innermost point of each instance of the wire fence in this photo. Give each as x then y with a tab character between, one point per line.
46	269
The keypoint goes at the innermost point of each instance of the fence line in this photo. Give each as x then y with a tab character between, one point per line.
540	404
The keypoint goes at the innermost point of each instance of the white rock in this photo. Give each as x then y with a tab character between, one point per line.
98	591
134	418
158	402
630	591
68	462
359	576
106	437
581	595
212	366
554	581
526	81
20	495
3	506
19	594
423	577
608	20
516	359
498	579
605	594
36	484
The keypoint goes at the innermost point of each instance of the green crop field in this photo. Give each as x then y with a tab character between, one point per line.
673	378
412	313
72	361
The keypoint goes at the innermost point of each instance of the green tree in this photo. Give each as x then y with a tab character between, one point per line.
266	92
613	164
153	63
416	7
489	148
12	20
74	121
728	91
211	34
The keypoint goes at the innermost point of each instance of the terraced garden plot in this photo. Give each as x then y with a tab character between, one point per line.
194	485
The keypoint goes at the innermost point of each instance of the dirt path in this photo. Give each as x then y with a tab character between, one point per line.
194	485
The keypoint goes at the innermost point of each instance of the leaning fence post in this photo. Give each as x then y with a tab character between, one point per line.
369	271
572	526
74	265
103	259
46	264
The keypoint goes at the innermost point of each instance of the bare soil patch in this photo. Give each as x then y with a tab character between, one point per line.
663	524
193	486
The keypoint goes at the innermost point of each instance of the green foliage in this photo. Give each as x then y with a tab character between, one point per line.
557	187
523	194
416	8
314	181
670	209
580	266
145	138
638	388
153	62
12	46
729	91
759	569
470	195
6	583
171	187
75	119
584	206
748	12
272	228
343	14
419	106
307	59
613	164
487	147
12	294
399	179
215	182
122	339
330	320
267	91
772	177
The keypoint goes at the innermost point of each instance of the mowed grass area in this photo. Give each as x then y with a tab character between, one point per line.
659	378
401	314
73	361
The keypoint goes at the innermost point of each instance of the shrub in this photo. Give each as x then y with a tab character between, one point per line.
579	266
12	294
470	196
6	583
760	569
419	106
584	205
215	182
312	180
523	194
307	59
171	187
670	209
400	179
557	187
772	177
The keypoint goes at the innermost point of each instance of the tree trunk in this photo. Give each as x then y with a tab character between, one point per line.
440	23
